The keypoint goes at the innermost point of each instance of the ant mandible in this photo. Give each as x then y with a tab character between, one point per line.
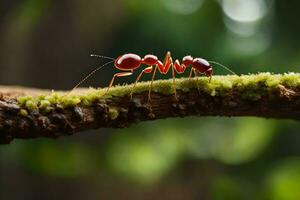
130	61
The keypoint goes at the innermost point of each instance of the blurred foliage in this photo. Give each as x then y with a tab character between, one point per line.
148	156
47	43
28	14
226	188
53	159
64	160
235	144
283	181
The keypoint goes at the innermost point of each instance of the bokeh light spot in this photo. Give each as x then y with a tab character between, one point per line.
245	10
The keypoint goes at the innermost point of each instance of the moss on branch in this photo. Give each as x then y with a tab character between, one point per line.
28	113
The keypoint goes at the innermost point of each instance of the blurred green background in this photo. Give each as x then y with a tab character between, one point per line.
46	44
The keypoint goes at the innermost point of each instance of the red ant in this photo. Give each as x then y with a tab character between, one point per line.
129	62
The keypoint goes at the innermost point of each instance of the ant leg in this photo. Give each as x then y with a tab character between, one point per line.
167	57
191	73
173	76
147	71
168	62
190	76
118	75
153	76
196	75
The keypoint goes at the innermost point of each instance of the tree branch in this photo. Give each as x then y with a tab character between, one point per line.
30	113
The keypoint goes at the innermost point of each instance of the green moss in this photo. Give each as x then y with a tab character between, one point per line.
291	80
91	96
44	104
113	113
23	99
54	98
31	105
272	83
69	101
23	112
249	87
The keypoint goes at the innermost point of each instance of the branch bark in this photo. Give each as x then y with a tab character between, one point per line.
252	95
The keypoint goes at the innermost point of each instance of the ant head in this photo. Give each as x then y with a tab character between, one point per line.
128	61
201	65
209	72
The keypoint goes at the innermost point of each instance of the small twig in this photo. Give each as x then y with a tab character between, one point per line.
51	115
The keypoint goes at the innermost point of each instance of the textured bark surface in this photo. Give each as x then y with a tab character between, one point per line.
118	112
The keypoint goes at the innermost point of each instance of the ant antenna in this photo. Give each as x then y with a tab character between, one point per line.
99	56
213	62
90	74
